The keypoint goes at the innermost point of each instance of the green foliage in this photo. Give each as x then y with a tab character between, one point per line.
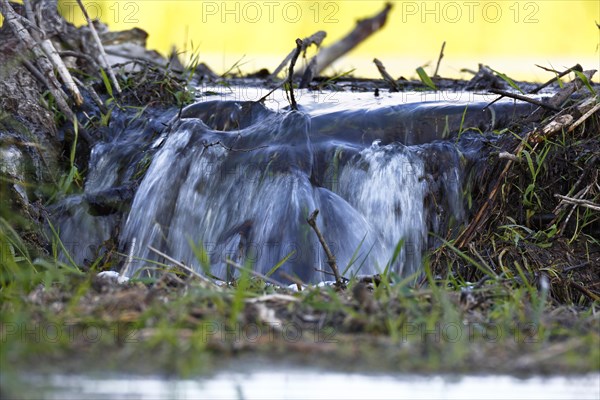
426	79
508	80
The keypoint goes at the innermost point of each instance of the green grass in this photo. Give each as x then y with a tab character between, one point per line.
175	324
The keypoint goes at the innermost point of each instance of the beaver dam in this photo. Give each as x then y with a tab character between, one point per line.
158	218
239	180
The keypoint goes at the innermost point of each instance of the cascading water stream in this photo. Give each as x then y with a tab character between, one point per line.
239	179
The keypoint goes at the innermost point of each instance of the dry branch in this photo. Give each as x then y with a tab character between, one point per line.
557	77
45	67
579	202
516	96
315	38
363	29
584	117
52	54
182	266
290	78
386	76
255	273
330	257
103	59
484	212
437	67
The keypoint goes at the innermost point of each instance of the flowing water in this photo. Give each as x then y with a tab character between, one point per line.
237	179
311	383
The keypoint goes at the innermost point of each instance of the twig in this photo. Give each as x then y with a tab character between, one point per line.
103	59
255	273
524	98
583	290
182	266
299	284
578	195
309	74
579	202
437	67
46	68
330	257
557	77
315	38
290	78
71	53
584	117
482	214
52	54
562	95
386	77
93	94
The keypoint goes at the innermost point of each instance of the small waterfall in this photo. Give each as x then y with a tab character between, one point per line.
239	179
243	188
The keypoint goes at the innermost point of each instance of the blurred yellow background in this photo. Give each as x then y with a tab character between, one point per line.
510	36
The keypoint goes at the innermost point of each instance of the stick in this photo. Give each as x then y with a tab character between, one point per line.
12	19
309	74
315	38
45	66
437	67
52	54
298	282
182	266
557	77
330	257
103	60
524	98
386	77
290	78
255	273
579	202
562	95
584	117
363	29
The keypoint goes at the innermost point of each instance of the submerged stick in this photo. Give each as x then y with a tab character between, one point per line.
330	257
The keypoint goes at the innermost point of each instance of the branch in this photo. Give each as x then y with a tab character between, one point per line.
330	257
103	59
579	202
255	273
394	87
182	266
363	29
290	78
557	77
315	38
524	98
437	67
